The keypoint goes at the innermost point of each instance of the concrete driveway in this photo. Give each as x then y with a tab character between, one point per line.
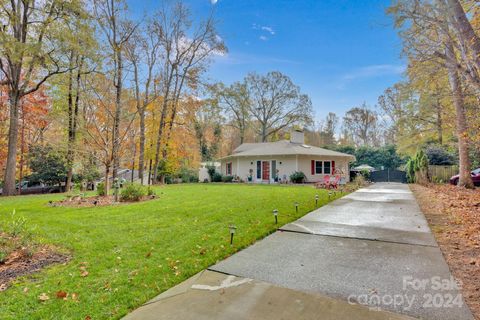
369	255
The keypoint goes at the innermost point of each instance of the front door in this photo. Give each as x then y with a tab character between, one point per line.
266	170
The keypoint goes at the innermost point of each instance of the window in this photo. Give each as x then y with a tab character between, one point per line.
318	167
322	167
327	167
229	169
259	169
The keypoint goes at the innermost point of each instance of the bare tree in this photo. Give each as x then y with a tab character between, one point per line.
31	53
235	102
110	15
361	124
276	103
143	52
185	52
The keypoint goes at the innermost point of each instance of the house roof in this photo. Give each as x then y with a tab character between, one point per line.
283	147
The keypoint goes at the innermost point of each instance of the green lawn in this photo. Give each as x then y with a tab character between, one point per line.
135	251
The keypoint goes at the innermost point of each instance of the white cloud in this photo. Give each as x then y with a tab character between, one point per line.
263	38
268	29
213	2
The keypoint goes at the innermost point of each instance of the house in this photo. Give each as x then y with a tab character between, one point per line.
268	162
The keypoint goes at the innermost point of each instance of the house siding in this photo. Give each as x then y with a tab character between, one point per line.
286	165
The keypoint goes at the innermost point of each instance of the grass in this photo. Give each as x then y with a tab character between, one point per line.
133	252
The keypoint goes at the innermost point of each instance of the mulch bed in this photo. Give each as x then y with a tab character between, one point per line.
20	263
454	217
95	201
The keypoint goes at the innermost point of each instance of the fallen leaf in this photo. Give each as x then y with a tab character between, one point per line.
61	294
148	255
88	318
25	289
3	287
43	297
84	274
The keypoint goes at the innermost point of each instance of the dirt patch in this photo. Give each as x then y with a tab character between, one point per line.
454	217
22	262
95	201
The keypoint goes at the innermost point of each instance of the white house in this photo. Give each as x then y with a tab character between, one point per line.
266	161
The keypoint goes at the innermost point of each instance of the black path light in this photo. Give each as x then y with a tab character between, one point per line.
330	193
232	229
316	200
296	207
275	214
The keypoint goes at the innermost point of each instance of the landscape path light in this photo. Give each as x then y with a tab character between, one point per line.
296	207
232	229
275	214
316	200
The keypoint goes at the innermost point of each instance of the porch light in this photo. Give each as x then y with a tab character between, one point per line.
316	200
232	229
275	214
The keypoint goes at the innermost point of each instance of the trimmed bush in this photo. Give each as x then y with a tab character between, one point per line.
217	177
298	177
227	178
133	192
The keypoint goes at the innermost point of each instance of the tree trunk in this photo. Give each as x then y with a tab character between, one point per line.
10	169
107	184
141	157
116	124
465	179
466	30
439	124
68	183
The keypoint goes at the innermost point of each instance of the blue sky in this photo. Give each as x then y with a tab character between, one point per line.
340	52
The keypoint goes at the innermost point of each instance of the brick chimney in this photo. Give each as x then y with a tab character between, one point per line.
297	136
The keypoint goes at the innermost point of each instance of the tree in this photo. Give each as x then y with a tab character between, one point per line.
235	102
207	127
48	165
276	103
110	15
438	155
143	51
33	50
361	124
432	32
185	51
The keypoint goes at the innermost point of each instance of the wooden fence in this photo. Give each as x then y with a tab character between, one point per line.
442	173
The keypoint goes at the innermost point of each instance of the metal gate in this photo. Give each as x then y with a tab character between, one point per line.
388	175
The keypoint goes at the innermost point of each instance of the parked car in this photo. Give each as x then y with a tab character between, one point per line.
28	187
475	177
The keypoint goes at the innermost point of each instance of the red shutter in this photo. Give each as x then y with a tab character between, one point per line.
313	167
333	167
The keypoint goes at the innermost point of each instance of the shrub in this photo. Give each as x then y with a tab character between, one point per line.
211	172
101	189
365	174
150	192
359	180
188	175
217	177
227	178
298	177
133	192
